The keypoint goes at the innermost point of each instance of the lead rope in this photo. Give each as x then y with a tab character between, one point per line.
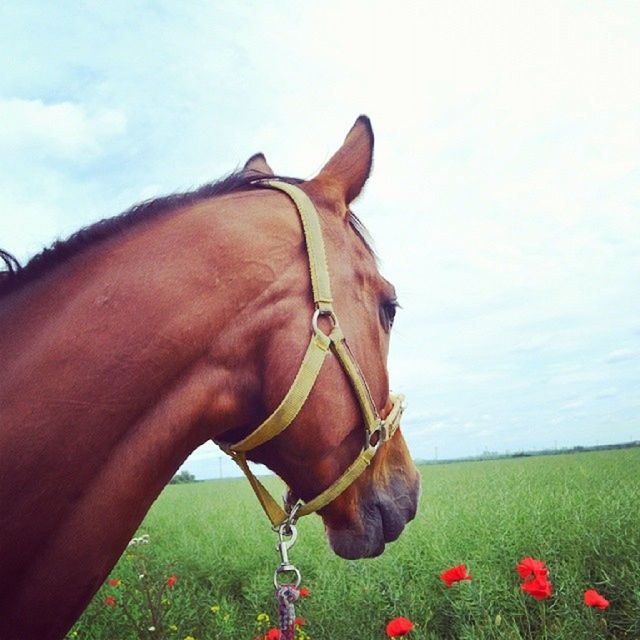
287	592
286	595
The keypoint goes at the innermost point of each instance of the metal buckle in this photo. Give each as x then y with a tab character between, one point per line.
384	428
384	431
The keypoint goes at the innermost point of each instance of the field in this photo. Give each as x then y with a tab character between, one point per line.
578	513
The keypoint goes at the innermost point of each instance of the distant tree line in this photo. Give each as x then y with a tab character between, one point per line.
182	478
492	455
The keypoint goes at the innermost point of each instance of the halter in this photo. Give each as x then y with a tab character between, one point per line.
377	430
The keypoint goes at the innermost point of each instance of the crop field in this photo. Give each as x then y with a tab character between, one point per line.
579	514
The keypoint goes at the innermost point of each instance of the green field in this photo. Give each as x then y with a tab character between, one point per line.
578	513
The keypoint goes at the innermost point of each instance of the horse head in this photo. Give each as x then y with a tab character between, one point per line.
328	432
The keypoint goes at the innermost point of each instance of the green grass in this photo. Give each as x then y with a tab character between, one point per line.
579	513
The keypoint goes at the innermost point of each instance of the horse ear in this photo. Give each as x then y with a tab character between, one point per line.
349	168
257	163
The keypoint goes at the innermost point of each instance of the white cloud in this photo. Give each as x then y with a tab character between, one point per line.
571	406
622	355
64	129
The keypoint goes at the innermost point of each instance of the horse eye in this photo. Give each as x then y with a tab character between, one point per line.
388	314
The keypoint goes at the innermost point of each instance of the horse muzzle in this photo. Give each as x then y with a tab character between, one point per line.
380	517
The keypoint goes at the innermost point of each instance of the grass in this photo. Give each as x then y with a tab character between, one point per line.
578	513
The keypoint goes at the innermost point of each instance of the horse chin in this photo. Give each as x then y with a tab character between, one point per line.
380	519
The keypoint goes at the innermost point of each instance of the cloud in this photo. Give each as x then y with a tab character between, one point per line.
622	355
63	130
571	406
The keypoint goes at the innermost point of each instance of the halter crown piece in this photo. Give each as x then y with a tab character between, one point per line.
377	430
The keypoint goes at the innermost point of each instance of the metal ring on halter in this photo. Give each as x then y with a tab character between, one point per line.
323	312
291	513
383	435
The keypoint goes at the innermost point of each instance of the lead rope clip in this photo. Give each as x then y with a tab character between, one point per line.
286	592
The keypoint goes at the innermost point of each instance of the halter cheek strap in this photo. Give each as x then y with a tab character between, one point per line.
319	346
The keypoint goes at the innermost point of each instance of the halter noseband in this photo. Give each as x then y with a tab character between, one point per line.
319	346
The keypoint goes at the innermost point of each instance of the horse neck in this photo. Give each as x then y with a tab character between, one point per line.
134	314
117	365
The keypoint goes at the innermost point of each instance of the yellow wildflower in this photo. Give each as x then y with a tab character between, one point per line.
263	617
173	627
215	608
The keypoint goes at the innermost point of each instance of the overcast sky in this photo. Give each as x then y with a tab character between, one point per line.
505	194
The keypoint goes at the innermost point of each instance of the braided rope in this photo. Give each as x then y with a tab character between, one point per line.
286	595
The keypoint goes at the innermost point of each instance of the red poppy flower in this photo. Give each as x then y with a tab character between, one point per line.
114	582
399	627
300	622
304	592
593	599
539	587
455	574
273	634
110	601
171	581
531	567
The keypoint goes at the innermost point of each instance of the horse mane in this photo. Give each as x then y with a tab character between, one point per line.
14	276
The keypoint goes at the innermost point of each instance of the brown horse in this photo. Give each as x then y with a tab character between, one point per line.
140	338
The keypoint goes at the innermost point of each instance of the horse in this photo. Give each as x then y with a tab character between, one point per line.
185	319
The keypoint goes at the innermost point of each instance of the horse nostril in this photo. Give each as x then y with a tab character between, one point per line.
393	520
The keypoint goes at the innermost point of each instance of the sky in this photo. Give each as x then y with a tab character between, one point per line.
504	201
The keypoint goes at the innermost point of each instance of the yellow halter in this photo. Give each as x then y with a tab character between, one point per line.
377	429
